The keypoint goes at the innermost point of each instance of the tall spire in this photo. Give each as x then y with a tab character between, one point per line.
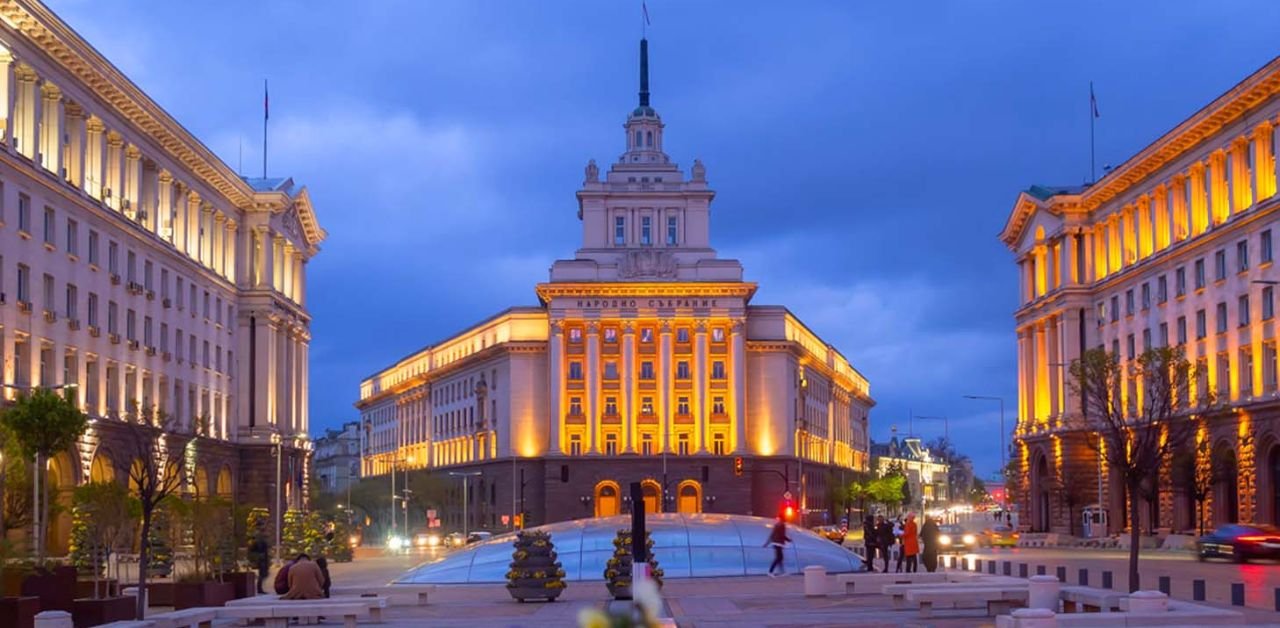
644	72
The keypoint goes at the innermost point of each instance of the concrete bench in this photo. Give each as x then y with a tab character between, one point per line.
131	623
1089	599
898	592
851	581
373	604
999	600
185	618
1178	614
278	615
399	594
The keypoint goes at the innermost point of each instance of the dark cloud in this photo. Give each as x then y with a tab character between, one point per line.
865	155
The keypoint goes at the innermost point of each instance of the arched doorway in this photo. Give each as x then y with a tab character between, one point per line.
1226	490
1040	495
224	482
1183	472
689	497
60	482
607	499
1273	473
652	497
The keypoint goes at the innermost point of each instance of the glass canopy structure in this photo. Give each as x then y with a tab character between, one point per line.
686	546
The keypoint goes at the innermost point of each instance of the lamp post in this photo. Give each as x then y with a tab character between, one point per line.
1002	432
276	440
802	426
464	475
946	425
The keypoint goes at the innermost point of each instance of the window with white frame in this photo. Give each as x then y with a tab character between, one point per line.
619	230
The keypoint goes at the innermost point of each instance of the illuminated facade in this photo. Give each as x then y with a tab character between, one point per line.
1174	247
141	272
926	474
644	361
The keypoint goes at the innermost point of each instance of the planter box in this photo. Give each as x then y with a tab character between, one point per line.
193	594
107	587
19	612
159	594
534	593
245	583
56	589
90	612
11	581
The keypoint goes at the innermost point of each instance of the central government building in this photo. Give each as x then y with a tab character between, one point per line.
1175	247
644	361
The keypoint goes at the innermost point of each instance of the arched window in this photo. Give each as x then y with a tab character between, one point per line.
638	144
689	497
100	470
648	138
607	499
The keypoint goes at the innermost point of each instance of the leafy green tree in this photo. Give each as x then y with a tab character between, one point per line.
103	520
887	490
43	423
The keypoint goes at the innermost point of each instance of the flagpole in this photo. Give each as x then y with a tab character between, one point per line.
266	114
1093	108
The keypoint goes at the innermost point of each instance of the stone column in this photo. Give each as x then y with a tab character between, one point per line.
264	365
232	252
216	242
629	426
555	375
264	255
664	394
131	182
738	370
699	385
302	280
1053	361
8	96
593	409
51	128
1264	175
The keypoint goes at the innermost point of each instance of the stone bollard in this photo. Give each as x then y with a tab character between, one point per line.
815	581
1043	593
1032	618
1148	602
53	619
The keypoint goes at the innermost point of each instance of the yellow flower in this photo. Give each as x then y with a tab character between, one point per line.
592	618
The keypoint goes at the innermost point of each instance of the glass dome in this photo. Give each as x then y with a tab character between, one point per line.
686	546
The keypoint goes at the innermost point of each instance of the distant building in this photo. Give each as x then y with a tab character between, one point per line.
337	457
926	473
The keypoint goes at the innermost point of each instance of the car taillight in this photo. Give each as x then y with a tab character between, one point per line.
1252	538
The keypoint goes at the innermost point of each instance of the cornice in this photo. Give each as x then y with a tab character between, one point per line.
742	289
65	47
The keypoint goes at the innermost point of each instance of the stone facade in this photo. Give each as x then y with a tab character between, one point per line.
645	360
1173	247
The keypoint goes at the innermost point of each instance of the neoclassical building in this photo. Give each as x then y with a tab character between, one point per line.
143	274
1173	247
644	360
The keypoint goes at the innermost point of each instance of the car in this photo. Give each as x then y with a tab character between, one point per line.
999	536
425	538
476	537
835	534
953	538
1240	542
455	539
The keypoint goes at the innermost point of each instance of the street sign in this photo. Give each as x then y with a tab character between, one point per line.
786	495
431	513
506	519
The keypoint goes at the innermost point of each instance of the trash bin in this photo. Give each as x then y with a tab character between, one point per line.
815	581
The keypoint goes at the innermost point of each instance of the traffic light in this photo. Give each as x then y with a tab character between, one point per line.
788	511
737	466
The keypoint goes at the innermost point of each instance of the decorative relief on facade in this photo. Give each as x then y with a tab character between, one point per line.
647	263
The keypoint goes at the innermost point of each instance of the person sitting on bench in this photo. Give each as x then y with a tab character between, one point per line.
306	581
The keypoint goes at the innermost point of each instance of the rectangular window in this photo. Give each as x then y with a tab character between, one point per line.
611	370
717	369
611	444
72	297
177	344
93	247
646	230
131	270
717	405
1129	347
1264	247
682	406
1242	256
672	233
93	309
1268	303
575	334
682	444
130	325
646	335
147	270
619	230
1162	289
1180	281
217	310
1219	265
1164	334
718	445
646	370
1221	317
73	237
113	318
1201	325
717	334
611	406
1242	304
24	283
1128	302
646	406
113	258
50	226
682	370
48	303
1269	367
646	444
611	334
575	449
575	406
1115	308
1224	376
206	305
24	213
1146	339
1200	277
204	354
164	283
1102	313
1146	296
1182	330
164	337
575	371
178	292
147	338
1245	358
682	335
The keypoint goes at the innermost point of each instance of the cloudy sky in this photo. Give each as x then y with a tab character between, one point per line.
865	155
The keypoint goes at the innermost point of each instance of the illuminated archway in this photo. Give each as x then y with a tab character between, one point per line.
689	497
652	492
1226	491
1040	493
60	481
224	482
202	482
101	469
135	472
1273	476
607	499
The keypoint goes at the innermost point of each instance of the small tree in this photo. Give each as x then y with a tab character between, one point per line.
105	515
43	423
212	527
1136	431
156	474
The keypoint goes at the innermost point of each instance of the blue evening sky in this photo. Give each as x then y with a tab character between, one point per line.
865	155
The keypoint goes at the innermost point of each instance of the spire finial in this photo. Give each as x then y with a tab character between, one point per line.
644	72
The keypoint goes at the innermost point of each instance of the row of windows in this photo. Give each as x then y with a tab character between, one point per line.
1221	320
610	335
719	444
646	370
1180	279
646	406
646	230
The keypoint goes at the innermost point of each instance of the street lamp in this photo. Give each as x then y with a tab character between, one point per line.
802	432
464	475
1002	432
276	440
946	429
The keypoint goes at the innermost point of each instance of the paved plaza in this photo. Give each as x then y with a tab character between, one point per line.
743	601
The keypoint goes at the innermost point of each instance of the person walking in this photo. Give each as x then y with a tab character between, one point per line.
911	542
884	539
260	554
869	540
929	535
777	539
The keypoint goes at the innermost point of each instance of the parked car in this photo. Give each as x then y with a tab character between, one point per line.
953	538
999	536
1240	542
831	533
476	537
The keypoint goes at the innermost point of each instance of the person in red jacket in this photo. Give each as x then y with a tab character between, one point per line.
911	542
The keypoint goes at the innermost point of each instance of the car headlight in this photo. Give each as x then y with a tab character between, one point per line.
395	543
969	539
945	539
353	540
433	540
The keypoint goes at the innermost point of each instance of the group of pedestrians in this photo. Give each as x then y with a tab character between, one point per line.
300	579
904	541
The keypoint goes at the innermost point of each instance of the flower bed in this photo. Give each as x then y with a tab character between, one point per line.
535	574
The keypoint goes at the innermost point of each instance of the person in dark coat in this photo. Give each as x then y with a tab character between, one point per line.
929	535
884	539
777	539
324	569
260	554
869	540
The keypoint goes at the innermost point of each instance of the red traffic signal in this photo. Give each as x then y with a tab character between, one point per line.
788	510
737	466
